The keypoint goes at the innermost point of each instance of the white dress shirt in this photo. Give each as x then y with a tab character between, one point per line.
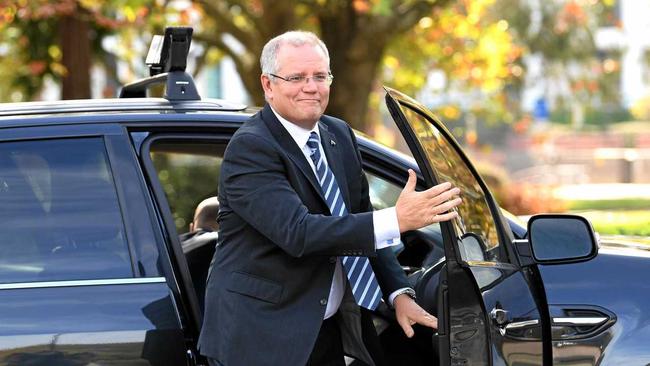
385	224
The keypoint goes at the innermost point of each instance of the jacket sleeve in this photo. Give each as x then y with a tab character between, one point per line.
257	189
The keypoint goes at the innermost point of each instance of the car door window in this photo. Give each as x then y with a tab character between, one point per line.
421	248
59	217
383	194
478	239
189	173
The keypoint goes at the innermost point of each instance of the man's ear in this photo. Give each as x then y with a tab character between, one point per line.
267	85
191	227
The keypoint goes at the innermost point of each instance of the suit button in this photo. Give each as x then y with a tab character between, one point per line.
332	259
323	302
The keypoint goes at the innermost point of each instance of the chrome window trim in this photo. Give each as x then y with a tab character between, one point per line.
80	283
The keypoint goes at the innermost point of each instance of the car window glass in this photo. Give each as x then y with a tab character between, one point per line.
189	173
383	194
474	215
60	217
423	248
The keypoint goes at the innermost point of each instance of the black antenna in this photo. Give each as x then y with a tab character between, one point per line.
167	60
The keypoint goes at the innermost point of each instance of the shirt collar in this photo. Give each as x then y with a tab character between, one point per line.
300	135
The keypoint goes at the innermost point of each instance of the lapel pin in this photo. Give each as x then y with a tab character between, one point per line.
332	142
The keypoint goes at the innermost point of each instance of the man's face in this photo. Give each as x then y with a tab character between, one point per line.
301	103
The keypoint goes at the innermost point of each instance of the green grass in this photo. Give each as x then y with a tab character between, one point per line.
617	204
620	222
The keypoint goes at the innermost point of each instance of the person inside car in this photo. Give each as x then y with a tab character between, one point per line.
200	242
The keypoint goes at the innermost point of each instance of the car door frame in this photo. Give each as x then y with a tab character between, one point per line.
154	134
451	301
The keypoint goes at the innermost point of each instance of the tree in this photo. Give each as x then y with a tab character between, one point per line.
472	48
561	33
61	39
357	34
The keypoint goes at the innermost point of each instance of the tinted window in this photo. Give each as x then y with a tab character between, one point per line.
59	217
478	239
189	173
383	194
422	249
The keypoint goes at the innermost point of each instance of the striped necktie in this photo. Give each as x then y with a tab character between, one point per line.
359	272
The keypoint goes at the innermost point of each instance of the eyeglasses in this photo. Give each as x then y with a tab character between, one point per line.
300	79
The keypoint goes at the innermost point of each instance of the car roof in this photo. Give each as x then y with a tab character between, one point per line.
144	110
116	105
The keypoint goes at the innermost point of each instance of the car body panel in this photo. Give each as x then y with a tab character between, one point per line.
611	281
121	322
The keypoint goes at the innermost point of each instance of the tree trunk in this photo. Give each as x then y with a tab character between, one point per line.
356	52
74	38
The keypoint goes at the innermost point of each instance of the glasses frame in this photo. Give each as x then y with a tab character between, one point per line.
305	79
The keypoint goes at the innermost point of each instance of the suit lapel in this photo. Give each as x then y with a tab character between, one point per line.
335	161
289	145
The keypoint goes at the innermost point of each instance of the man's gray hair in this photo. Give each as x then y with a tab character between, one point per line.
269	58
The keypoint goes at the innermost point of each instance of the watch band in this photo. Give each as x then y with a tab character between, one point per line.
407	291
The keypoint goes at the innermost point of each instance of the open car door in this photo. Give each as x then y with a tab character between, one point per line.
491	310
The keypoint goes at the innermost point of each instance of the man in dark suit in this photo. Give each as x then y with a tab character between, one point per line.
302	258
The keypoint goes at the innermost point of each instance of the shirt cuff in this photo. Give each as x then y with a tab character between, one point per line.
386	228
394	294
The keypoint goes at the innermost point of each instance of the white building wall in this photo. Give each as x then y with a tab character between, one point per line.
635	16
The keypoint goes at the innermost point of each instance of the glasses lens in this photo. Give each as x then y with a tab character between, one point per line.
296	79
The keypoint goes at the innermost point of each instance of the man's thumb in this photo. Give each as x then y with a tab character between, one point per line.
410	183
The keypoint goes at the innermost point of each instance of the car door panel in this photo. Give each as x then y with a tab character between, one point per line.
124	322
488	307
600	288
82	283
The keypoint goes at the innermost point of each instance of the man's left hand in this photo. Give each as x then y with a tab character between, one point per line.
408	312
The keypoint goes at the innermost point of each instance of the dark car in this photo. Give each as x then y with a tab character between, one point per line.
92	271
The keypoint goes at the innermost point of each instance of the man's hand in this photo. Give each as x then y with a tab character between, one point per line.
419	209
408	312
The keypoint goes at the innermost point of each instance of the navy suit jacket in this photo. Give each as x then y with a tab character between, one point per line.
277	248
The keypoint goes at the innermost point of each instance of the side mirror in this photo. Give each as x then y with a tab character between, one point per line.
557	239
472	247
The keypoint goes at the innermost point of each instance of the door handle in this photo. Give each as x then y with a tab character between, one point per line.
579	322
499	317
519	329
522	324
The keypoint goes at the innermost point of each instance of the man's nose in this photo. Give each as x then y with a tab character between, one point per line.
310	85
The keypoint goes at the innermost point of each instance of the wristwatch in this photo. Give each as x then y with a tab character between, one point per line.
406	291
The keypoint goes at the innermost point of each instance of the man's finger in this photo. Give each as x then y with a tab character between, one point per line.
448	205
437	189
410	183
444	217
428	320
405	323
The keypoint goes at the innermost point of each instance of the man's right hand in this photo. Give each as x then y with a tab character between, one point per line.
419	209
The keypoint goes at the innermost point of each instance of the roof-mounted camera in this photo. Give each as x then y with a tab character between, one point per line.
167	60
